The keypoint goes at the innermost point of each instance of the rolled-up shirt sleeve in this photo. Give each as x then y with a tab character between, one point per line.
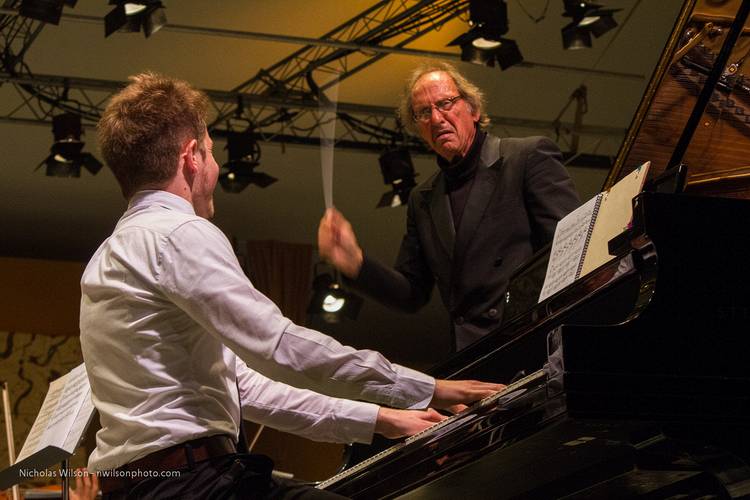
200	273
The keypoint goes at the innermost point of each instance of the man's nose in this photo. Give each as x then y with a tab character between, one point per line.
435	115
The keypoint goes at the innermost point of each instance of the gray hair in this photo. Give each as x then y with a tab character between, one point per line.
468	91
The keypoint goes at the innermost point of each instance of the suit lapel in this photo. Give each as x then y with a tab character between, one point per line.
482	190
440	212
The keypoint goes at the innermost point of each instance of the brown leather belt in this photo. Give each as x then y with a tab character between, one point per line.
178	457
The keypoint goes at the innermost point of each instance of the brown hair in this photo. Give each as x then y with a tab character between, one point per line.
144	127
468	91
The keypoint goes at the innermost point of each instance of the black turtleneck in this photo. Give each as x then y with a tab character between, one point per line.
459	176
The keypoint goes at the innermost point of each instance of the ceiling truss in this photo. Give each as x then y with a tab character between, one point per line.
281	103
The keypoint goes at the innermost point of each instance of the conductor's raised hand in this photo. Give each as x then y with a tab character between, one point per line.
395	424
453	392
338	245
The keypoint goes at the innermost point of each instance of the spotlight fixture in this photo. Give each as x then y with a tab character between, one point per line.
588	19
486	52
244	155
330	301
484	43
133	16
398	171
48	11
66	156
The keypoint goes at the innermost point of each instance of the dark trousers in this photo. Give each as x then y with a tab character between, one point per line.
236	476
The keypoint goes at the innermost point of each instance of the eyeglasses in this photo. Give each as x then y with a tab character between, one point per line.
444	105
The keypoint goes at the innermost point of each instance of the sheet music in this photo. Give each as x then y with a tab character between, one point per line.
80	423
40	424
614	217
568	246
66	411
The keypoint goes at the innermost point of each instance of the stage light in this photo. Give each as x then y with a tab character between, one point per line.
489	16
588	19
398	172
330	301
481	52
133	17
48	11
575	38
66	156
484	43
476	48
244	156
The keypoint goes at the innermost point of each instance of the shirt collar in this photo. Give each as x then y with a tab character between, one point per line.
147	198
464	167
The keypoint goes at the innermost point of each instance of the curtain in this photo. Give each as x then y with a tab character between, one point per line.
283	272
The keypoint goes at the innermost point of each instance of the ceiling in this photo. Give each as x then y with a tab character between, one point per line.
66	218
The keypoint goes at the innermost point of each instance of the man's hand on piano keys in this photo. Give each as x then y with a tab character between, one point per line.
454	392
395	424
455	409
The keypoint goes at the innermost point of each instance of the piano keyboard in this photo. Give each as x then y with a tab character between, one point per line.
430	431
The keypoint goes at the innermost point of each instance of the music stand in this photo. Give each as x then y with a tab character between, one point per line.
57	431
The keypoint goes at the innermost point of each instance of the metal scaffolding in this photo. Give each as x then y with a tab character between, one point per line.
281	103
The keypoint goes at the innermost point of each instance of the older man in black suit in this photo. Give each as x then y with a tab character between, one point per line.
470	225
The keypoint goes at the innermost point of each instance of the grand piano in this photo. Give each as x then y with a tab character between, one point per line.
634	380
